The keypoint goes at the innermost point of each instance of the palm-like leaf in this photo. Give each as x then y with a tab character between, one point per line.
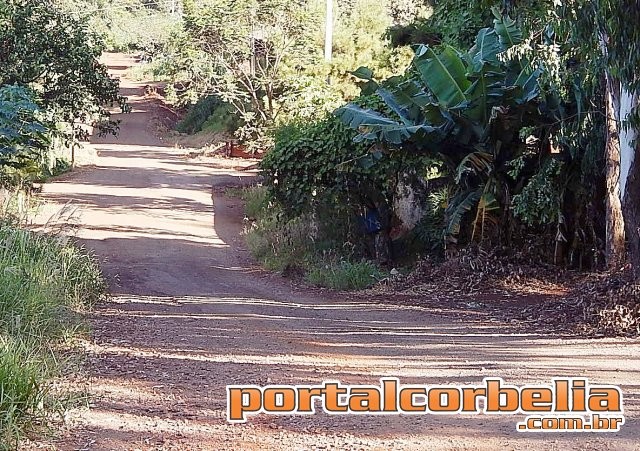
461	204
444	74
507	29
486	49
471	102
527	81
374	126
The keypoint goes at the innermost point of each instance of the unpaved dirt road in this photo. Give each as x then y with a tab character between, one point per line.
191	313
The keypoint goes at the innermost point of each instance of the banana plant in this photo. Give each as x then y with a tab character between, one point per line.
466	107
23	135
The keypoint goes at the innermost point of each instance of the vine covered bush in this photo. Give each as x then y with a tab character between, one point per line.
314	161
322	169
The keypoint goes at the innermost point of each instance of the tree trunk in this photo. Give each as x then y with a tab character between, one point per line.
615	235
630	177
632	215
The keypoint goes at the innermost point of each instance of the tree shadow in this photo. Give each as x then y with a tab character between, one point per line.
191	313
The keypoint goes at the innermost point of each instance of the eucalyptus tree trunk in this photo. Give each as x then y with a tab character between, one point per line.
630	176
623	178
615	233
618	35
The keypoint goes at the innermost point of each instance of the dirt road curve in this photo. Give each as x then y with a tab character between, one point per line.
191	313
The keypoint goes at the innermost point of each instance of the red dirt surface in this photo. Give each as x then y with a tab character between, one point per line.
190	313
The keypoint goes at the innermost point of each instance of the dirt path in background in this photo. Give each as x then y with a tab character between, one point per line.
191	313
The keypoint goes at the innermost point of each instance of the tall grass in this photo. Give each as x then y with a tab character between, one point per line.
345	275
307	244
44	282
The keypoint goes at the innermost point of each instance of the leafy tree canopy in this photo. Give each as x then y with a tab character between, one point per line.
56	55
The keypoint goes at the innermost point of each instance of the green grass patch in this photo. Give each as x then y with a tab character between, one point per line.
280	245
45	281
301	245
346	275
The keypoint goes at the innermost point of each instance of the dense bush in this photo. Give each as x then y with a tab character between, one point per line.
56	55
198	114
23	137
317	160
208	114
323	161
319	169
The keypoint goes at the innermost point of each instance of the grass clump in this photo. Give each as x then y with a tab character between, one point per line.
256	202
306	245
44	282
282	246
345	275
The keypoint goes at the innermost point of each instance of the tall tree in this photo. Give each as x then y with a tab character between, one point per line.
617	27
56	55
249	51
601	36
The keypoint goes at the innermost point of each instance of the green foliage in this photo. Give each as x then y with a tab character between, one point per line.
538	202
429	233
60	166
614	20
50	84
43	281
453	22
406	11
308	243
245	53
21	392
322	162
56	55
313	160
209	114
290	242
468	108
23	137
265	59
346	275
222	120
198	114
257	201
280	244
127	25
359	40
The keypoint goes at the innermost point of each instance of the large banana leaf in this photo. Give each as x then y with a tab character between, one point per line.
444	74
363	73
461	204
528	82
374	126
487	90
403	106
486	49
507	30
412	103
